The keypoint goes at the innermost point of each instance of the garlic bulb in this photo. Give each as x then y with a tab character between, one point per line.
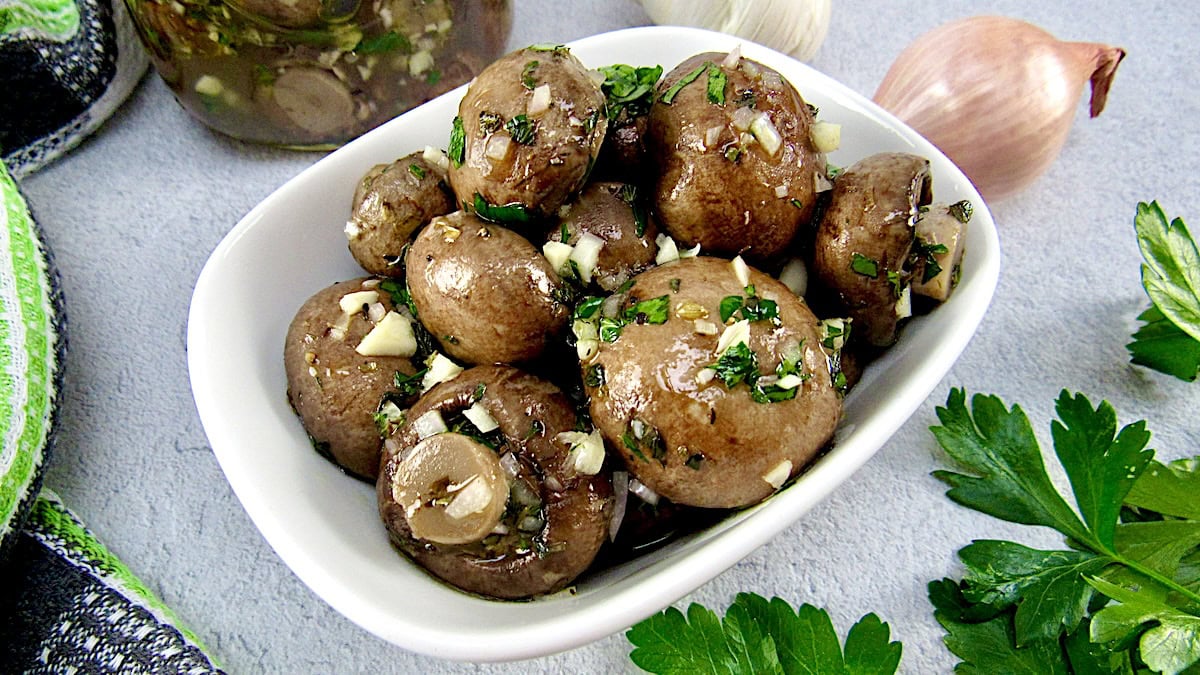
795	27
997	95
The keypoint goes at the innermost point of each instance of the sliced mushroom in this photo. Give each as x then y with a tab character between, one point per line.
941	236
452	488
862	245
314	99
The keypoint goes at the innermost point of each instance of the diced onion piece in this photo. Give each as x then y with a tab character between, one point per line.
352	230
440	369
781	190
585	255
789	381
429	424
777	476
732	58
498	146
338	330
587	450
826	136
587	349
667	250
712	136
904	304
690	252
772	81
620	483
705	327
353	302
376	311
419	63
794	275
481	418
436	157
392	336
821	182
735	333
612	305
705	375
472	496
743	117
643	491
764	130
557	253
741	270
510	464
540	101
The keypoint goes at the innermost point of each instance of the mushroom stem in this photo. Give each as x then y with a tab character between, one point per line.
452	488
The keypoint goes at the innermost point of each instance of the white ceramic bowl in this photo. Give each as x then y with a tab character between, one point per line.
325	525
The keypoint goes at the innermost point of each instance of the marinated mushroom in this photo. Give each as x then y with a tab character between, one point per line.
391	203
484	292
862	244
342	352
438	491
314	101
941	235
736	169
711	383
605	236
528	131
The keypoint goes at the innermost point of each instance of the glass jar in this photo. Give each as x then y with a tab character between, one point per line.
315	73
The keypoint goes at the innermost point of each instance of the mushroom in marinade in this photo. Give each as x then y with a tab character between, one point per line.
528	132
484	292
392	202
737	171
489	486
343	350
605	236
862	244
711	383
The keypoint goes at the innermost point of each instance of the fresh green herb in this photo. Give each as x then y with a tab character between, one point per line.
669	95
610	329
733	153
628	89
564	233
522	129
757	635
416	171
409	385
1169	340
458	143
594	376
716	84
752	308
556	49
629	195
536	429
897	283
490	122
1124	591
588	307
833	171
433	76
563	294
631	443
729	305
962	211
477	394
389	416
924	255
694	461
508	214
797	203
864	265
674	284
654	311
263	75
737	364
527	79
383	43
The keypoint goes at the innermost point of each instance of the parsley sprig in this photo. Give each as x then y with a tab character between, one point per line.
1124	594
1169	340
757	635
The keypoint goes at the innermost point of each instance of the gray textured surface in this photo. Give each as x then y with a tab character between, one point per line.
133	213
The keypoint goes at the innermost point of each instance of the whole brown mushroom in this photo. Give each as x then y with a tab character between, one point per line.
615	217
862	245
499	502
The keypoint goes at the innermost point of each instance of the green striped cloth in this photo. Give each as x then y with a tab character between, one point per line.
67	605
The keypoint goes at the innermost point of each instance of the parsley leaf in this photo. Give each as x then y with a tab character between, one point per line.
669	95
758	635
457	149
1020	609
716	84
512	215
1171	277
629	89
736	365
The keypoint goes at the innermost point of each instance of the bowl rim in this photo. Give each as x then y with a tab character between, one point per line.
631	593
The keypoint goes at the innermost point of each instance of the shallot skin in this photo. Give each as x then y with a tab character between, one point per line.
997	95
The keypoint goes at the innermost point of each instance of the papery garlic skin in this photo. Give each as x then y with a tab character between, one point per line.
997	95
795	27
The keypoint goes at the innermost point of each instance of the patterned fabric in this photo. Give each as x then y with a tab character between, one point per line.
30	353
69	606
65	66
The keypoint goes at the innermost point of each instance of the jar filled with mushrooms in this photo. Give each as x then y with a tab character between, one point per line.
313	74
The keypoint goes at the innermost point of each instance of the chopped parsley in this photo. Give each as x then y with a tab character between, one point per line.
628	89
832	172
716	84
797	203
610	329
864	265
925	254
409	385
733	153
390	41
416	170
522	129
897	283
527	79
669	95
588	307
674	284
433	76
962	211
508	214
737	364
654	311
629	195
594	376
490	122
458	143
553	48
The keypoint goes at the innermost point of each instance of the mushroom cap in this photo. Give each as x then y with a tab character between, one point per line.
391	203
862	243
619	215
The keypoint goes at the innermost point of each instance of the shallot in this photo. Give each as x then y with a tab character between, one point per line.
997	95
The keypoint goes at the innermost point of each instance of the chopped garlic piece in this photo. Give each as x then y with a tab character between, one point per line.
778	476
557	253
419	63
540	101
741	270
735	333
765	132
473	496
904	304
207	85
826	136
481	418
667	250
586	254
392	336
587	450
429	424
705	327
794	275
353	302
705	376
440	369
436	157
789	381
